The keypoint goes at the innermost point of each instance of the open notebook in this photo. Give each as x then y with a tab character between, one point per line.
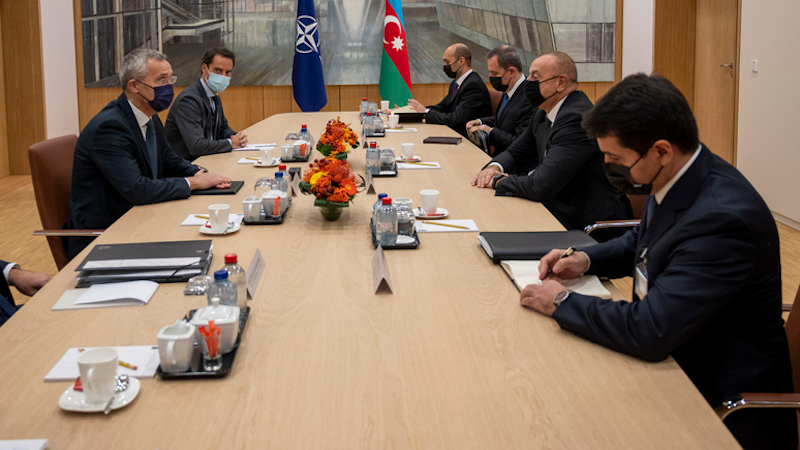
523	273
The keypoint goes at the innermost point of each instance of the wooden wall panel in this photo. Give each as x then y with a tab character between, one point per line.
277	100
24	80
243	106
5	170
674	43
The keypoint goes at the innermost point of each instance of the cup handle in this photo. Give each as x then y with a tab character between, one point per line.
89	381
171	353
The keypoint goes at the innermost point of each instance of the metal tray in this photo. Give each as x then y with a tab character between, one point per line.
409	246
264	220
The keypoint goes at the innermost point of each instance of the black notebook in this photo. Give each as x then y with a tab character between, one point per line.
530	245
147	256
235	186
442	140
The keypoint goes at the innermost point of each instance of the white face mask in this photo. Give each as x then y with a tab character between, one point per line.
217	82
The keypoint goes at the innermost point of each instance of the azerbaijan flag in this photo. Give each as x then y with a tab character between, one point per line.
395	83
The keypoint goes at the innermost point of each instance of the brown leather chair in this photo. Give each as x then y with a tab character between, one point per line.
497	97
51	174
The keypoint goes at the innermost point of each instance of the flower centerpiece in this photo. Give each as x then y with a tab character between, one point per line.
333	184
337	140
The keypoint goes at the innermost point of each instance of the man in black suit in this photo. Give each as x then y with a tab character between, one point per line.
25	281
705	260
467	98
122	158
196	124
514	111
554	162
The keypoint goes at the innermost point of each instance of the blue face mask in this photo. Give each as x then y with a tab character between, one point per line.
162	97
217	82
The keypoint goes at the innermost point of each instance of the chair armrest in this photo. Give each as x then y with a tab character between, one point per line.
68	232
750	400
786	307
602	224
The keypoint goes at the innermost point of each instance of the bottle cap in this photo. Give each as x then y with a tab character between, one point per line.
282	167
373	145
380	196
221	275
278	174
303	126
231	258
369	113
364	99
386	201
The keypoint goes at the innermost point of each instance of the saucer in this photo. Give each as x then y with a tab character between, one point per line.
441	213
233	229
275	161
412	159
72	400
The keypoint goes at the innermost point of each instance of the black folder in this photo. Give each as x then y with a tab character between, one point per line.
530	245
235	186
100	257
442	140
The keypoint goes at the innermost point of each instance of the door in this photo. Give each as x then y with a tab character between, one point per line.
717	75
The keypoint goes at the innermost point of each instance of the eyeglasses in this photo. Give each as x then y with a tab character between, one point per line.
161	81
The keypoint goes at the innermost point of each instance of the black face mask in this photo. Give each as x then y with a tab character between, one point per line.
620	177
448	70
534	94
497	83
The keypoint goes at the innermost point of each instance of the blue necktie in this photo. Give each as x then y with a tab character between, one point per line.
503	104
152	151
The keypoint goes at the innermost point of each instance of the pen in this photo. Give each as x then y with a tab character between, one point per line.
420	163
444	224
200	216
566	254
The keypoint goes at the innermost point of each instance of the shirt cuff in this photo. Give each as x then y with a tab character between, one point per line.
480	122
589	260
502	170
189	183
426	110
229	142
8	268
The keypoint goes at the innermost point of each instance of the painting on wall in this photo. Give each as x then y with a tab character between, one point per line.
262	34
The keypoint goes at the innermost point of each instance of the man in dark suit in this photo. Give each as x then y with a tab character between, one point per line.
196	124
705	261
514	111
467	98
25	281
554	162
122	158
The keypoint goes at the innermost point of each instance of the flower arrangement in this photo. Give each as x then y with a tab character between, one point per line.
331	182
337	140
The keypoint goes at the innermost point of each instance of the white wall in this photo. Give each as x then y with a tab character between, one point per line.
60	72
637	36
769	103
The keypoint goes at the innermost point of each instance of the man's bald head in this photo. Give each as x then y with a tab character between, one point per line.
561	63
457	51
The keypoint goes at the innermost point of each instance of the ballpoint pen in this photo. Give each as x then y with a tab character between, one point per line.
566	254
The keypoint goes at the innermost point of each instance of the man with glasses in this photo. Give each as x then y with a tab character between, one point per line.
122	158
467	98
514	112
196	124
554	161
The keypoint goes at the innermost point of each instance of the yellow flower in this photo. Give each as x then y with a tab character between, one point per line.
316	177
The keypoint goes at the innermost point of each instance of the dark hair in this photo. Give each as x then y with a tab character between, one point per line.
642	109
462	51
507	56
208	57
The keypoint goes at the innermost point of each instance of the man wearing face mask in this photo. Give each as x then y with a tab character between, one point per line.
122	158
705	260
467	98
514	111
196	124
553	161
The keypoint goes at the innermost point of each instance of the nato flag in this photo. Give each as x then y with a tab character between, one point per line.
308	84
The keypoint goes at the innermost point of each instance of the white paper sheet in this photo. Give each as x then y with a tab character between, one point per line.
418	166
144	357
138	263
24	444
441	226
198	220
255	147
401	130
124	293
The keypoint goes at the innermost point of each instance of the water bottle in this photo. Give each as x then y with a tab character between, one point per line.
280	183
373	158
236	275
386	226
223	289
375	208
305	135
363	108
366	124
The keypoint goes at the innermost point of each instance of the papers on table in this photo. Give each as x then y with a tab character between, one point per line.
400	130
255	147
418	165
445	226
198	220
104	295
144	357
527	272
248	160
24	444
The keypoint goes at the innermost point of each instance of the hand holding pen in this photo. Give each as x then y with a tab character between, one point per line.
565	264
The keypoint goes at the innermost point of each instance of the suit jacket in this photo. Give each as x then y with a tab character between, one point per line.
511	122
111	171
714	295
471	101
569	178
7	305
189	124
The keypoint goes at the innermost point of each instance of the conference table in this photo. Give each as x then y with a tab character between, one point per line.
448	360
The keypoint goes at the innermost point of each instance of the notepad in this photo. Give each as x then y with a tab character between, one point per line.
419	165
144	357
126	293
24	444
523	273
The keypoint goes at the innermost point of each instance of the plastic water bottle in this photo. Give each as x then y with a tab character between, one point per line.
375	208
237	276
305	135
363	108
366	124
373	158
280	183
223	289
386	226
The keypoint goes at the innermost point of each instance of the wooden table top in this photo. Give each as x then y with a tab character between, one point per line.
449	361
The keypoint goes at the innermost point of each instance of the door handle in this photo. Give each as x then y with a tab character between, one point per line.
729	66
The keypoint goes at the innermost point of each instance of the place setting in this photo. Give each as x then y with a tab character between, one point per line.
220	222
99	388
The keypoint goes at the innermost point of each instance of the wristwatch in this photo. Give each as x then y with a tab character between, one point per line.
497	179
560	297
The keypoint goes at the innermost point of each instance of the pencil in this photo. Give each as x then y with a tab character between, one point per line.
445	225
202	217
420	163
128	365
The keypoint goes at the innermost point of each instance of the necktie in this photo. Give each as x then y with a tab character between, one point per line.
213	118
454	92
152	151
503	104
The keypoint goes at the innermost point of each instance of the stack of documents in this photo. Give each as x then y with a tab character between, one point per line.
162	262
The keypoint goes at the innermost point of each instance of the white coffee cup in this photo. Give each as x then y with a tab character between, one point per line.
266	156
98	368
429	200
394	119
268	202
219	217
408	150
176	346
251	207
287	152
384	105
